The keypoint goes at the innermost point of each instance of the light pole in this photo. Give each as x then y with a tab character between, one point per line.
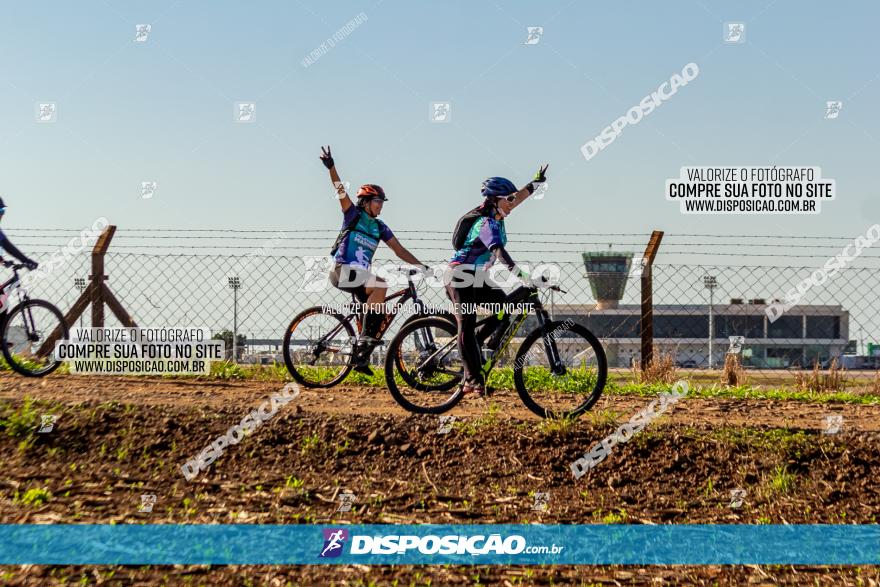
711	283
234	285
80	284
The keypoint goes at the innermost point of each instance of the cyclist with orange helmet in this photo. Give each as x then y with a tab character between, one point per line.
353	254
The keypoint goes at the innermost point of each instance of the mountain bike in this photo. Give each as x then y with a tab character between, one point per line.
26	328
318	343
559	371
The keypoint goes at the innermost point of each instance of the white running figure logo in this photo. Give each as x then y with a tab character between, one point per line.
735	31
334	544
362	260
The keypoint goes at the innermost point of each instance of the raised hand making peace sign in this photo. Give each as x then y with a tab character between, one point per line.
327	158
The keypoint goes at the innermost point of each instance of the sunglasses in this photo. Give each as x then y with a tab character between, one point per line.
379	199
511	198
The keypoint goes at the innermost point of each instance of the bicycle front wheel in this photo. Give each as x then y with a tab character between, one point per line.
421	342
560	372
423	366
25	337
317	347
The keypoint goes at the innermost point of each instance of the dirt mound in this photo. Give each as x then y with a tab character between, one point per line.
101	456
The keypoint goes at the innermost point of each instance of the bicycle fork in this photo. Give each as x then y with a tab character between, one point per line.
29	325
549	339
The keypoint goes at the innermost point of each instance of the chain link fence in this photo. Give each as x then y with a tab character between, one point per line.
697	306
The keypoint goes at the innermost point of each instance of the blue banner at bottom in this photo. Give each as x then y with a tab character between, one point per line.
165	544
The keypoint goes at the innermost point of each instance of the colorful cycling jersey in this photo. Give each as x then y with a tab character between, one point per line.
485	234
359	246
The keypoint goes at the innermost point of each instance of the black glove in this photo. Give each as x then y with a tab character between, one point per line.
327	158
540	177
31	265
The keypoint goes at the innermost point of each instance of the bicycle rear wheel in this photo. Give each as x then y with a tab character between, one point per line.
317	347
572	386
423	366
25	332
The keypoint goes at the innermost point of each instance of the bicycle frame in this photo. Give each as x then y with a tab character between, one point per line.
402	296
6	289
13	284
529	295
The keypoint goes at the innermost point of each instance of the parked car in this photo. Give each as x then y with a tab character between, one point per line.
688	364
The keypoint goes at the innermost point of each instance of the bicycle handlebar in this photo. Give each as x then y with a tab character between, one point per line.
543	282
15	266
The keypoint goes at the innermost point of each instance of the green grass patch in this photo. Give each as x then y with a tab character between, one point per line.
22	421
310	443
752	438
575	380
33	497
472	426
234	371
619	517
579	379
32	365
784	442
557	426
781	481
743	392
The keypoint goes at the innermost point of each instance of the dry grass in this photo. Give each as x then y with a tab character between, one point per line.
875	384
816	381
733	374
661	370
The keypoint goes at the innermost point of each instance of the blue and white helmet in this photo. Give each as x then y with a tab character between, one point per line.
496	187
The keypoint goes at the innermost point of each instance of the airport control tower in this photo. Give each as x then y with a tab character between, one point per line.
607	272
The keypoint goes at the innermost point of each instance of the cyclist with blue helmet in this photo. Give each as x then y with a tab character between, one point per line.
483	246
12	249
353	254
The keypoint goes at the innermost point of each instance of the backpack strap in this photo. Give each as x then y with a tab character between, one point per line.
347	230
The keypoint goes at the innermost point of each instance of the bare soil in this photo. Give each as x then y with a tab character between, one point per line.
117	438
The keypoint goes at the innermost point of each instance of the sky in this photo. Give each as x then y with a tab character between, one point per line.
164	109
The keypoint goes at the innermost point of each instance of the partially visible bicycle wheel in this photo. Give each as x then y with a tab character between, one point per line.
565	388
317	347
423	367
25	335
422	343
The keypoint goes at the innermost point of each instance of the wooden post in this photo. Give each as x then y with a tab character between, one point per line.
117	308
98	276
647	321
97	294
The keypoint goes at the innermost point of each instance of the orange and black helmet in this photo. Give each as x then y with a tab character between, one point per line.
371	191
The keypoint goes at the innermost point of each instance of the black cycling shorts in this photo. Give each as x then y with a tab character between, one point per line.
353	280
